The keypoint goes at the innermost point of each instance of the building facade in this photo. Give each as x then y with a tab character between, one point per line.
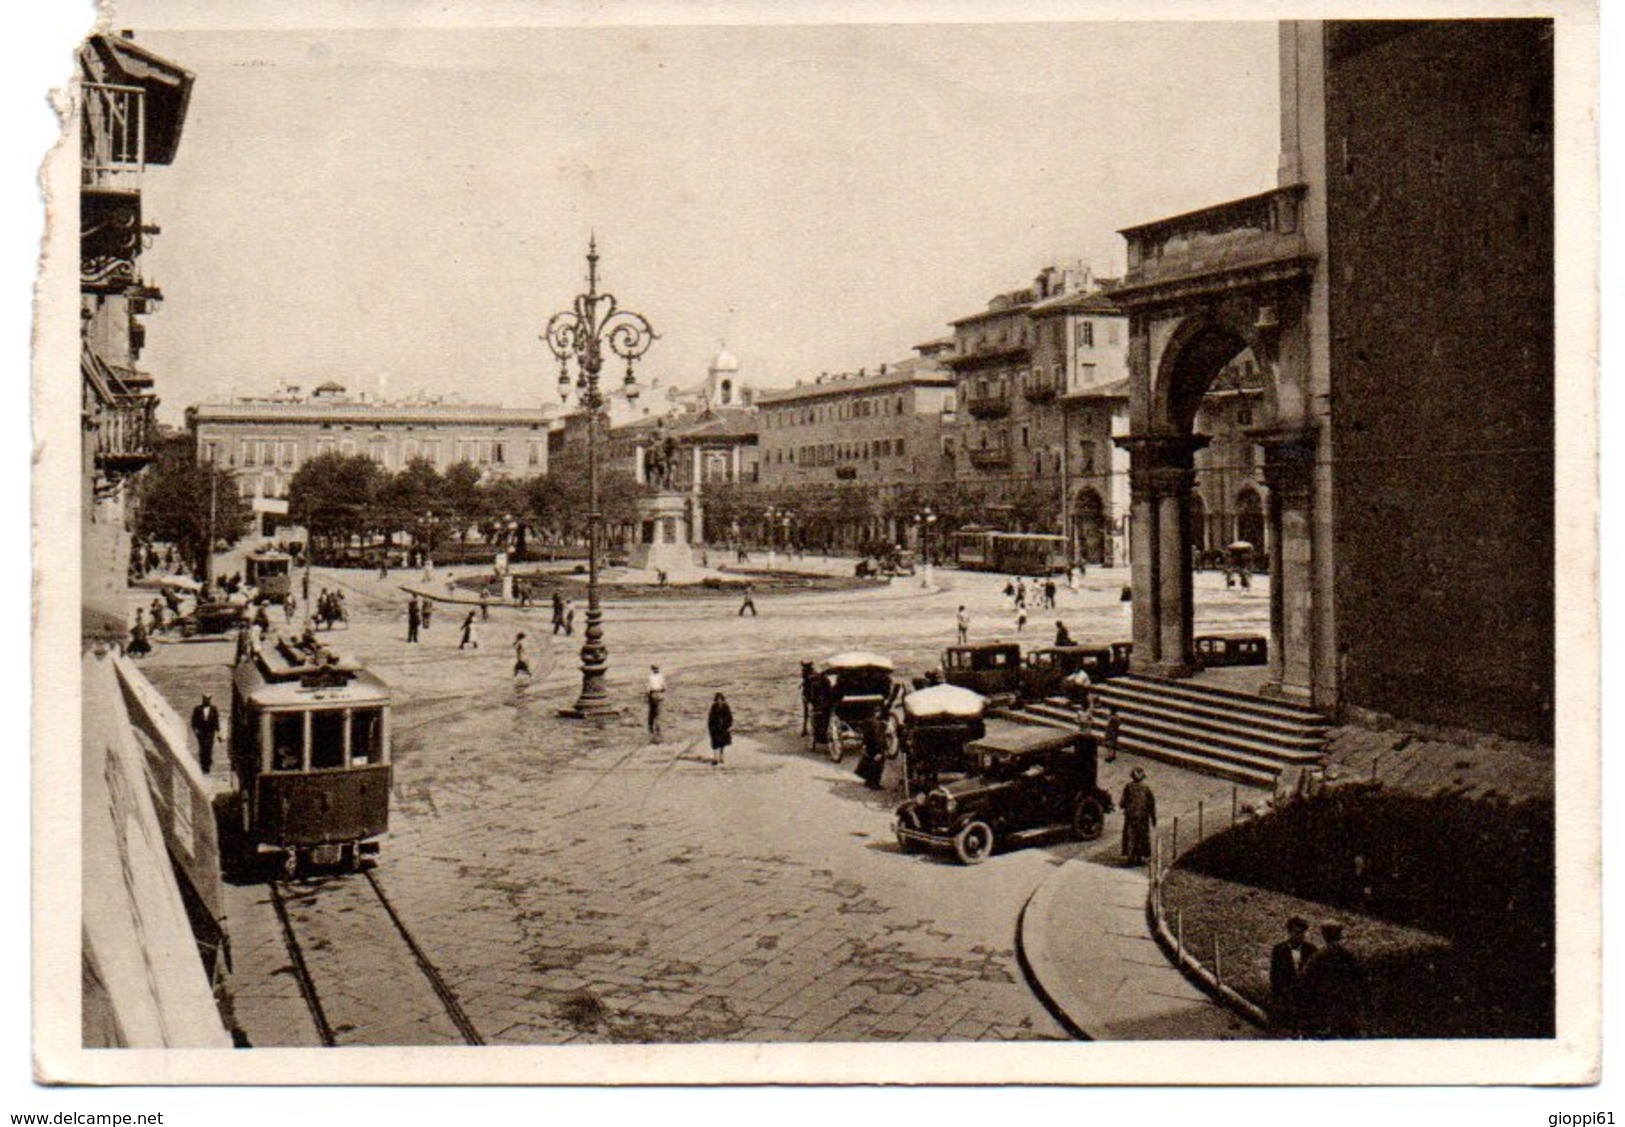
851	458
132	111
1041	379
265	441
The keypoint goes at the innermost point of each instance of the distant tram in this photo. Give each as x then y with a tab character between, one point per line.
270	573
309	748
1012	553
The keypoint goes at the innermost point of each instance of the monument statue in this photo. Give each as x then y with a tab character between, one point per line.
660	460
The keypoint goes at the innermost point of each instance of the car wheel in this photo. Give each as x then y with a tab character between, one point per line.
906	844
1088	820
974	843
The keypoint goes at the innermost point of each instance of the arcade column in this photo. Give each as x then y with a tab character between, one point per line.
1161	477
1289	463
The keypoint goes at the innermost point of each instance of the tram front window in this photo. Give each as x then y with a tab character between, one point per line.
326	740
367	737
287	741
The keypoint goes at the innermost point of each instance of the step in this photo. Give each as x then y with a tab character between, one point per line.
1255	755
1202	764
1154	696
1189	689
1280	752
1230	727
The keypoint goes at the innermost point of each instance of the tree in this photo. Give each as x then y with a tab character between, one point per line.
460	493
175	503
337	496
411	499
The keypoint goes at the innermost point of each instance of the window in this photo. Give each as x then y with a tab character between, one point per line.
290	453
347	446
324	446
897	447
1086	334
499	453
1244	416
251	453
211	452
1113	328
1025	438
534	454
1086	457
287	741
366	737
1086	375
431	451
327	740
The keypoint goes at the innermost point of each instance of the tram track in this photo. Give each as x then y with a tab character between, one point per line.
343	1012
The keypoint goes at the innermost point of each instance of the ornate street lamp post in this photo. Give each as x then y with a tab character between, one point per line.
582	333
924	522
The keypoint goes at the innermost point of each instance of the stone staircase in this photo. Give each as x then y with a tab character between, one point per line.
1235	735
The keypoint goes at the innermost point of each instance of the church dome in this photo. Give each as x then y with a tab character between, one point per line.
725	362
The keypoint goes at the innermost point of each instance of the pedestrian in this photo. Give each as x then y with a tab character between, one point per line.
558	613
656	694
1332	988
428	612
962	623
720	723
206	728
1021	594
521	663
383	566
485	605
304	584
873	762
1010	588
749	603
1139	815
809	694
414	619
1021	618
1287	960
1049	593
468	638
1063	637
138	646
1072	579
569	617
288	607
1110	731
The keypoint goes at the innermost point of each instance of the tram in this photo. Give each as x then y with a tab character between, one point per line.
309	746
270	573
1011	553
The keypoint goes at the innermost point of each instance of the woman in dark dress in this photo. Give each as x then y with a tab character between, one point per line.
720	723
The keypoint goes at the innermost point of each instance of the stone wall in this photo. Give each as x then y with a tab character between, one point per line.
1440	211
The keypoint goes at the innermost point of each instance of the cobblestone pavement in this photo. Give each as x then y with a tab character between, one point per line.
579	884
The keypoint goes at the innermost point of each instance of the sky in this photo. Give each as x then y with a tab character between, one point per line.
402	211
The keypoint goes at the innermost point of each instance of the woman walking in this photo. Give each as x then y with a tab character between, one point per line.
720	723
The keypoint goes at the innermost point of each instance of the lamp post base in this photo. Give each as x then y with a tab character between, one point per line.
600	712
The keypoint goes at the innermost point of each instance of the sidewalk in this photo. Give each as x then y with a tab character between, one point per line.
1085	941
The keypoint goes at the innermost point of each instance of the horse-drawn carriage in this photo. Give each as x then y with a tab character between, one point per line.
938	722
851	700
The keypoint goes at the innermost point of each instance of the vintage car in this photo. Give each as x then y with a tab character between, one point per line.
1230	649
213	618
992	669
857	690
1027	781
1053	671
938	722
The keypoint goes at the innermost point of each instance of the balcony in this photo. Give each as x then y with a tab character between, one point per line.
1040	388
990	457
126	433
988	404
113	144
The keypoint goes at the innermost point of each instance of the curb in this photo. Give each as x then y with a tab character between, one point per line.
1194	970
1037	966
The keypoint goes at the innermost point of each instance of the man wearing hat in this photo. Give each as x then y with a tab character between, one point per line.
206	726
1287	960
1139	815
1331	990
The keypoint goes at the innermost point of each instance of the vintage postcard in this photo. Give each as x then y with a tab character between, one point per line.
807	544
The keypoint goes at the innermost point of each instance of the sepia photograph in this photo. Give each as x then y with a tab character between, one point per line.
712	547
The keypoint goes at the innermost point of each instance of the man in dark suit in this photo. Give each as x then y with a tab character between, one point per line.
1287	960
1333	988
206	726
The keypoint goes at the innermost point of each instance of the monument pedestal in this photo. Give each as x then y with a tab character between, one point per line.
665	537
